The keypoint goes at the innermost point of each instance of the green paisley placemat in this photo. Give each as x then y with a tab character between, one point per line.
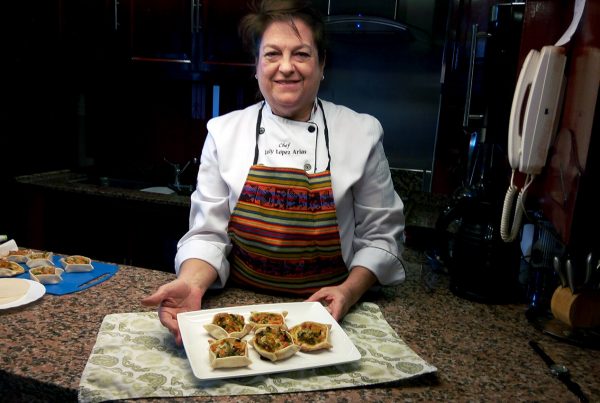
135	356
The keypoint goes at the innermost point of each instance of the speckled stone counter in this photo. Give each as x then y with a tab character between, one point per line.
68	181
481	351
408	185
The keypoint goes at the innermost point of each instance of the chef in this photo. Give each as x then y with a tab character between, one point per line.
294	193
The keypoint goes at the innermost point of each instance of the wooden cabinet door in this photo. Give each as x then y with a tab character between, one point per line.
160	31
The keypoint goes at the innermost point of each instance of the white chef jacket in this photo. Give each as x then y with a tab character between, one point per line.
370	213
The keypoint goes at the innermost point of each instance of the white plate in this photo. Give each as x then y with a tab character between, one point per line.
195	340
35	292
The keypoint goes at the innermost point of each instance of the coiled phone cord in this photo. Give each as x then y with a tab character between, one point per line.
509	233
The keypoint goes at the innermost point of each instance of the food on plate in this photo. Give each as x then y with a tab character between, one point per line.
226	324
274	343
46	274
229	352
311	336
44	270
19	256
77	263
77	259
39	259
260	319
40	255
11	289
9	269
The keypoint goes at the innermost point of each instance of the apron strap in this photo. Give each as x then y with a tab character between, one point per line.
258	122
326	134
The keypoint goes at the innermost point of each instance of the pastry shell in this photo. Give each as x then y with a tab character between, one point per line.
261	319
19	256
218	332
76	263
304	339
10	269
276	333
39	259
232	361
46	274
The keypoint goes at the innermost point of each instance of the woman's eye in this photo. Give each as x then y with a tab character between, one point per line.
303	55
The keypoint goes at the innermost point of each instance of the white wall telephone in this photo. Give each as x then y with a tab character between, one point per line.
533	122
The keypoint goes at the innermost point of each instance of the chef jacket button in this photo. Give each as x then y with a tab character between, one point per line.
261	130
311	128
307	167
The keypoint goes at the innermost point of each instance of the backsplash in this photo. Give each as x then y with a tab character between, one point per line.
421	207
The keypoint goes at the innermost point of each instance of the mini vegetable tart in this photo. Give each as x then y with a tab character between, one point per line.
274	343
77	263
39	259
46	274
10	269
229	352
261	319
311	336
19	256
226	324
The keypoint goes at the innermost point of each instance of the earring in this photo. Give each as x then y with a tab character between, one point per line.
256	76
323	78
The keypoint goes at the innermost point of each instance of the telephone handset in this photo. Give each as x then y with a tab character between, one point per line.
533	122
533	116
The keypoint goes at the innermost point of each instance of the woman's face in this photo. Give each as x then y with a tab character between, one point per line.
288	69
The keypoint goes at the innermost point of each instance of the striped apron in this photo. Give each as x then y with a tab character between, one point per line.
284	230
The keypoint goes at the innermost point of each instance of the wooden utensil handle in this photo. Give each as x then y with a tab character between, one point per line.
580	310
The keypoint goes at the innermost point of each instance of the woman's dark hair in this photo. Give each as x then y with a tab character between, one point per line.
263	13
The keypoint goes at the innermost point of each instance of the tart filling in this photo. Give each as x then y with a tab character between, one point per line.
46	274
274	343
77	263
10	269
19	256
311	336
226	324
229	352
261	319
39	259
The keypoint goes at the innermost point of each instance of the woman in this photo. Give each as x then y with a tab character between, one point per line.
294	194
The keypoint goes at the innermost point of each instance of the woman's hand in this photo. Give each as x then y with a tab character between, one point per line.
182	295
173	298
339	299
336	299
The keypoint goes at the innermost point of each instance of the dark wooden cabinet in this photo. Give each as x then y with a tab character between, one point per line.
161	30
88	31
222	46
186	38
479	74
565	192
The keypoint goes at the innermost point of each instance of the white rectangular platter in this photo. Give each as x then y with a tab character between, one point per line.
195	341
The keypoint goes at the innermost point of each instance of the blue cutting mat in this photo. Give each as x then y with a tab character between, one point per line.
74	282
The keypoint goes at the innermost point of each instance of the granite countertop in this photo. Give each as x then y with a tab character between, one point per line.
481	351
421	208
74	182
